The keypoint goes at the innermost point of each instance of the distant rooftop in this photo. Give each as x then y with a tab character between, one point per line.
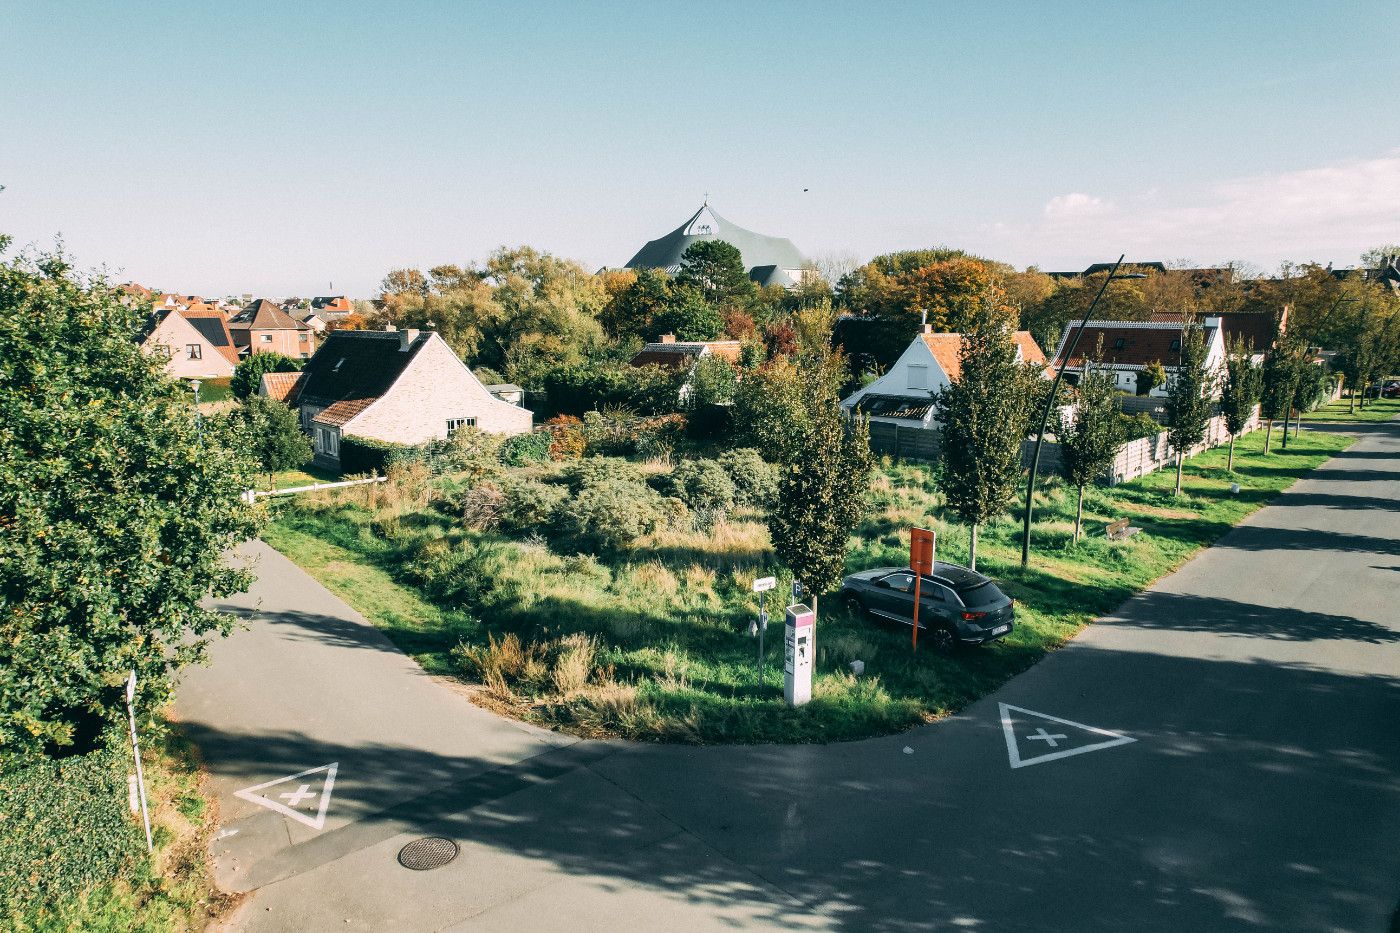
767	259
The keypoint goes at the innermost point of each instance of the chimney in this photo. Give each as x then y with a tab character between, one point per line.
668	338
925	328
406	337
389	328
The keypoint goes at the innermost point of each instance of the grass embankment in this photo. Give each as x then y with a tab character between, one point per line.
303	476
652	644
167	891
1377	409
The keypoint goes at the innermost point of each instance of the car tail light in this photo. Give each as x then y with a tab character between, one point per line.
971	616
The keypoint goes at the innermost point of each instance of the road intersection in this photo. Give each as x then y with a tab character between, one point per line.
1220	753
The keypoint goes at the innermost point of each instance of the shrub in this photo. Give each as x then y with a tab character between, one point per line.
530	505
593	470
63	829
365	454
706	421
566	438
704	485
1140	425
462	574
247	376
524	449
574	663
755	479
611	514
482	506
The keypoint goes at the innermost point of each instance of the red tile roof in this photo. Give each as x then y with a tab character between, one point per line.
947	350
1142	342
266	315
341	412
282	386
214	328
681	355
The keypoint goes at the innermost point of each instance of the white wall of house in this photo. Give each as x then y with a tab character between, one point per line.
189	355
916	374
433	394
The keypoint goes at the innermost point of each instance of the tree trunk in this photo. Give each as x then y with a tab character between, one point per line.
1230	467
1288	413
972	551
1079	515
1268	433
1179	461
1352	409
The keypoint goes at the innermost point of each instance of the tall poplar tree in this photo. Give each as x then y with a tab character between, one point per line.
1189	402
1239	393
1089	444
983	416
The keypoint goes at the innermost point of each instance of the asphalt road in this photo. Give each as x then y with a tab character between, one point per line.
1260	788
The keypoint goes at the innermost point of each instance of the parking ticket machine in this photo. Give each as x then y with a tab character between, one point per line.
799	649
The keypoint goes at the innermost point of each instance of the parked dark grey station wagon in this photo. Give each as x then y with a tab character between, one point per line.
956	605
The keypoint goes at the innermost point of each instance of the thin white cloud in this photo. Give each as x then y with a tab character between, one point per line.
1077	204
1327	213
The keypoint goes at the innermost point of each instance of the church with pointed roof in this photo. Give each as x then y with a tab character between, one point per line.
770	260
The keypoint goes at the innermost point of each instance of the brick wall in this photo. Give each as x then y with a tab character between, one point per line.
435	388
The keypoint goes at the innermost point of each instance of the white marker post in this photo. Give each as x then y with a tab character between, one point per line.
763	585
136	753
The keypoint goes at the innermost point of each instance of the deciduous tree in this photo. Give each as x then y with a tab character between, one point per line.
1239	392
115	517
273	435
247	375
1189	398
983	416
1089	444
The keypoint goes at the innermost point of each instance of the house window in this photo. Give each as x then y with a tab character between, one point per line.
454	423
1120	343
306	356
194	351
302	337
918	376
265	338
327	441
1176	344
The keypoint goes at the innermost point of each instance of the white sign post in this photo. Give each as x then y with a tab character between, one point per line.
799	647
762	585
136	753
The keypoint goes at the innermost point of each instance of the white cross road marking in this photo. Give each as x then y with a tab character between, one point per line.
294	800
1012	726
1040	736
257	796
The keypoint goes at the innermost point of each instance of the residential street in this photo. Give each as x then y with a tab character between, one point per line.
1259	686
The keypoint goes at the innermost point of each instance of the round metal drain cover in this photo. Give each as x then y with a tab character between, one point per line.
427	853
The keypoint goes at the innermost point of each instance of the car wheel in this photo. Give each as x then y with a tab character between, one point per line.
941	640
854	606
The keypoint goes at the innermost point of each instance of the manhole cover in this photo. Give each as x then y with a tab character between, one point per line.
428	852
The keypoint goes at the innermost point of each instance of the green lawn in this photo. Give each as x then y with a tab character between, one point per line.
304	476
214	390
1376	410
652	644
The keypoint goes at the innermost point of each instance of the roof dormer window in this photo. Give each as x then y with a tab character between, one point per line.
338	363
1120	343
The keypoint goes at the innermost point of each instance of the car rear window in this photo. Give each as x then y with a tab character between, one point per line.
980	594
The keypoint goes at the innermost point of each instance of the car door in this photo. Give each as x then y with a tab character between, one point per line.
894	596
937	604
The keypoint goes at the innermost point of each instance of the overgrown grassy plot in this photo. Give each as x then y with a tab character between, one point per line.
652	643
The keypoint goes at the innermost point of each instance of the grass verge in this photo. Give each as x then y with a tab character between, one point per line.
652	643
1377	409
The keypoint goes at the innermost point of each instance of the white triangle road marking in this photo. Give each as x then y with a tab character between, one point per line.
251	795
1013	751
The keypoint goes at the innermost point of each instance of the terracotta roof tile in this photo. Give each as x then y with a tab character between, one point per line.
947	350
282	386
341	412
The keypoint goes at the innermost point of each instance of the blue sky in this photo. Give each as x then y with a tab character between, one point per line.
278	147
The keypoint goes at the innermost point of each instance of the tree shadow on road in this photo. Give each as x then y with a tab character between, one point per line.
1179	612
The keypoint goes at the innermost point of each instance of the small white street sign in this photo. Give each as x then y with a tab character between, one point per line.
764	584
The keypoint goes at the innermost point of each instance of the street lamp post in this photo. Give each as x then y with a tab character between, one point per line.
198	419
1050	403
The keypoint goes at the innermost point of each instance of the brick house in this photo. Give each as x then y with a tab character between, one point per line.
194	344
399	386
1129	347
685	355
263	327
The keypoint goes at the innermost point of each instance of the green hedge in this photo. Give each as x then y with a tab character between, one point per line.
366	455
64	828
